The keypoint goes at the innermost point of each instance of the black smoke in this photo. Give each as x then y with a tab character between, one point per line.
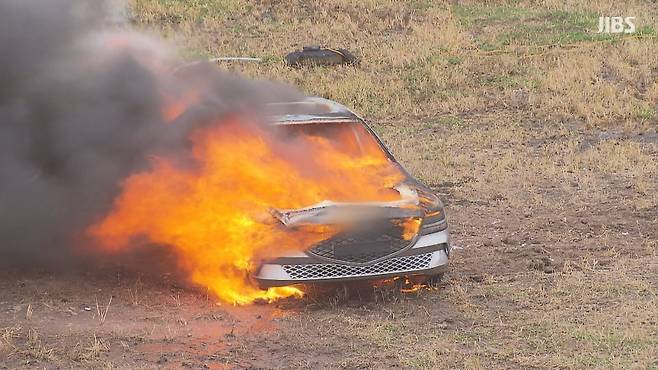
80	109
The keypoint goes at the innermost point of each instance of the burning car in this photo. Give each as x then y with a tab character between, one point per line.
406	236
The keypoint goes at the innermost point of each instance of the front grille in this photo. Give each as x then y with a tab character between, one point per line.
335	271
363	245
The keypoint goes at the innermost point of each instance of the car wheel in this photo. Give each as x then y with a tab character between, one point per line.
434	280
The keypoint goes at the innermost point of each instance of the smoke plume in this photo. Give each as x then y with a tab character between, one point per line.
81	107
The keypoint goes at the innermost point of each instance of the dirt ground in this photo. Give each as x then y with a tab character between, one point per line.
539	136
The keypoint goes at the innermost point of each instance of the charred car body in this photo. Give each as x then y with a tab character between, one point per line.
380	247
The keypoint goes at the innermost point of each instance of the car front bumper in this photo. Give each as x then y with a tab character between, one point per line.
427	256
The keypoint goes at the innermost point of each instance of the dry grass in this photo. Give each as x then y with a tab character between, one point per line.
89	353
101	312
428	59
9	334
538	133
34	350
600	318
522	117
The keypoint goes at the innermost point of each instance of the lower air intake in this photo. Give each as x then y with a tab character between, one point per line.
333	271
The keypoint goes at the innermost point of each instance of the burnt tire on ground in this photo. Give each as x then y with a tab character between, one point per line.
319	56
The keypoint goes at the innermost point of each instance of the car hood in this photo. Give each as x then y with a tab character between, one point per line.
330	212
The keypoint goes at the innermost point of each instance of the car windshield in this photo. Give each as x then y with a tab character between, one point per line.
348	138
341	161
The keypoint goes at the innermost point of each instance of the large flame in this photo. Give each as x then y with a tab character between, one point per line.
216	214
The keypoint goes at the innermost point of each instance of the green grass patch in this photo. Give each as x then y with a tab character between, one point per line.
646	31
454	60
470	15
502	81
521	26
555	27
645	113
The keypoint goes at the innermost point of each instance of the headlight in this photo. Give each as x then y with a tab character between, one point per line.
435	218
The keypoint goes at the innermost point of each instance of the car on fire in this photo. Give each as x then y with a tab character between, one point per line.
379	246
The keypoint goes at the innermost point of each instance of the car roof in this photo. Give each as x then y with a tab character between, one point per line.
311	110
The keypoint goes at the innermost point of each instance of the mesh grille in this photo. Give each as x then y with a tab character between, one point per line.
329	271
364	245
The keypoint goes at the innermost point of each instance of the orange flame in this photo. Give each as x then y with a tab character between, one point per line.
216	215
174	107
410	227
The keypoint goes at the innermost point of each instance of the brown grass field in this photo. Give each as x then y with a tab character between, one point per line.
539	134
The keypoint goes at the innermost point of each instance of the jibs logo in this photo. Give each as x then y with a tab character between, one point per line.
616	24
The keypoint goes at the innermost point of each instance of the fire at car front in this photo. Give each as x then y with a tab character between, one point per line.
375	240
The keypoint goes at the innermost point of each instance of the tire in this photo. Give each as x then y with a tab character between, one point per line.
434	280
319	56
429	280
